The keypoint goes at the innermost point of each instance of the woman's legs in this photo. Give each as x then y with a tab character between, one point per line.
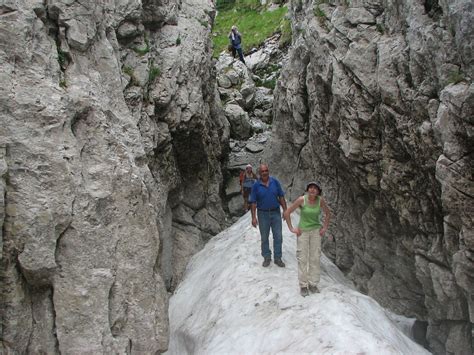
245	194
314	258
302	249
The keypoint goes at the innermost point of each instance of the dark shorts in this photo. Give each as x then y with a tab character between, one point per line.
246	192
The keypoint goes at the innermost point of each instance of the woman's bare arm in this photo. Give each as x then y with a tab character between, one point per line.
298	202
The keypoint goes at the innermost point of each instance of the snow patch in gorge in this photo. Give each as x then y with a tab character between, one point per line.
229	304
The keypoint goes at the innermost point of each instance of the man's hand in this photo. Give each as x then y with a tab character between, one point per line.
254	222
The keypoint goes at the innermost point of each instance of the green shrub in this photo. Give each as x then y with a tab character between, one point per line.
178	40
62	83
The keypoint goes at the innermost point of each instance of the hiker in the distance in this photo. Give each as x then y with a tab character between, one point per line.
247	179
235	39
309	233
265	199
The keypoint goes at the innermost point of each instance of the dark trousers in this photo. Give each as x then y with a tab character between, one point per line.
239	51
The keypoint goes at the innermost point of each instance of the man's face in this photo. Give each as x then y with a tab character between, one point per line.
264	172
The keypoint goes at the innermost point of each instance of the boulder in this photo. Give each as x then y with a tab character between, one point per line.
239	122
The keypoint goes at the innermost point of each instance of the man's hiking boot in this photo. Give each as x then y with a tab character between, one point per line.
313	289
279	263
266	262
304	291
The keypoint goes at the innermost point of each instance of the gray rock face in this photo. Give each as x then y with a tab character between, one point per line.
239	122
376	102
110	124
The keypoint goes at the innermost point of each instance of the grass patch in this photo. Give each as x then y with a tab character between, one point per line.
253	23
319	13
455	77
61	58
286	33
321	16
178	40
154	72
142	51
128	70
62	83
241	4
133	79
380	27
269	84
269	69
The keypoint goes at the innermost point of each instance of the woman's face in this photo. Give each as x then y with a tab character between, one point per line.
313	190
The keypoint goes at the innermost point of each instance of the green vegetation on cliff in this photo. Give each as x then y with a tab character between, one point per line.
253	20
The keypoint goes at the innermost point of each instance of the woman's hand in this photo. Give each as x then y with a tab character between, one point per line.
296	230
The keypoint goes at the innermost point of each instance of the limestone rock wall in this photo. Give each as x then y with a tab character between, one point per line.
110	145
377	102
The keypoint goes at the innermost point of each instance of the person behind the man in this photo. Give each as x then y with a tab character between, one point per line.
266	198
247	179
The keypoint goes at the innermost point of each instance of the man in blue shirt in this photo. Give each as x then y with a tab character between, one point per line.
266	198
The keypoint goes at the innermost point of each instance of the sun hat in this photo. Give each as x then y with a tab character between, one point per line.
317	184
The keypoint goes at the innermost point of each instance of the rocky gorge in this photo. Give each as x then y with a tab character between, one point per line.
121	139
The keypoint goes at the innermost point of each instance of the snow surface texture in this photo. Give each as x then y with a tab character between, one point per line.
229	304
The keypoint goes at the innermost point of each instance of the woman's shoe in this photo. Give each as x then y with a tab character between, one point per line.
304	291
